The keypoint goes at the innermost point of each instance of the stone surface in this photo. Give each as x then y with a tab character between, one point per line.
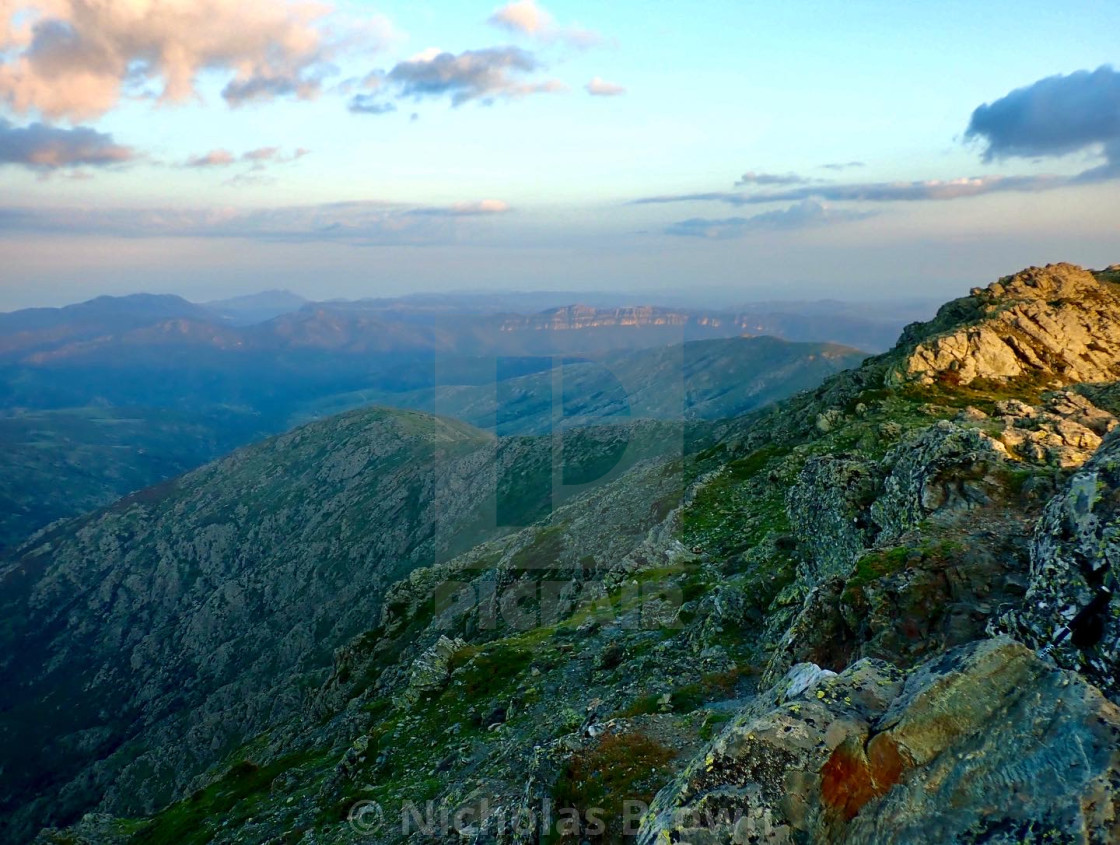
1076	551
943	471
1057	322
983	741
828	512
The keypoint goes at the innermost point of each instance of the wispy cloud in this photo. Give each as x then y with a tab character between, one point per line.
486	75
464	209
599	87
806	214
370	104
46	148
357	223
214	158
918	191
255	162
528	18
76	59
753	178
842	165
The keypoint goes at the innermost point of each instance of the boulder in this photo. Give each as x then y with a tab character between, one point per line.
985	743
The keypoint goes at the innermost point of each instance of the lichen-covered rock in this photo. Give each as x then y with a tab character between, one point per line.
763	776
828	513
431	669
983	740
1057	322
944	470
1076	552
93	829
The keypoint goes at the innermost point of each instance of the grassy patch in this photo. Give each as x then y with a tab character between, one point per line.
232	798
619	768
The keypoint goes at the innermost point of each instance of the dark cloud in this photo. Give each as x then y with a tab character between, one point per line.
803	215
496	72
934	189
370	104
44	148
752	178
1052	117
356	223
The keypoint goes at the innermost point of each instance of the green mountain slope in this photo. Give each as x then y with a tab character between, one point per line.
187	618
700	380
61	462
58	464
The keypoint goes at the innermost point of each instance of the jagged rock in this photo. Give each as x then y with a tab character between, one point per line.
1063	433
945	469
819	634
984	739
828	512
431	669
1058	322
1076	551
93	829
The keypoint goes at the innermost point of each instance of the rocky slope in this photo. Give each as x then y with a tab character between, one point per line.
821	624
161	633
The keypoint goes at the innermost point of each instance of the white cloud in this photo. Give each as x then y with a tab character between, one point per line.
526	17
599	87
75	59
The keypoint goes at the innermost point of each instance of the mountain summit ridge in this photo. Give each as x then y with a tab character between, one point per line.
1058	323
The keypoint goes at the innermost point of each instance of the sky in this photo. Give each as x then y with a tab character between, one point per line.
764	150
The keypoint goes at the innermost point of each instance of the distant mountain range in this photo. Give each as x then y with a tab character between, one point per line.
106	397
502	324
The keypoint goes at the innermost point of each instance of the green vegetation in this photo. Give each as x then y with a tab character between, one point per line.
618	768
230	800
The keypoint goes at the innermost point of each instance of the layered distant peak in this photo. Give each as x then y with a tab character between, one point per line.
1059	324
586	317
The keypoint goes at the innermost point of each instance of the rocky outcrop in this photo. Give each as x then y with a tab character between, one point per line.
986	743
943	471
1064	431
828	512
1075	560
1058	323
431	669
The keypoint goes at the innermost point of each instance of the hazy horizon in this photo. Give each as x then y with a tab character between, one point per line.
773	151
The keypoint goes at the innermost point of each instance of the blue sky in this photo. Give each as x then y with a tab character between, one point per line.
493	167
